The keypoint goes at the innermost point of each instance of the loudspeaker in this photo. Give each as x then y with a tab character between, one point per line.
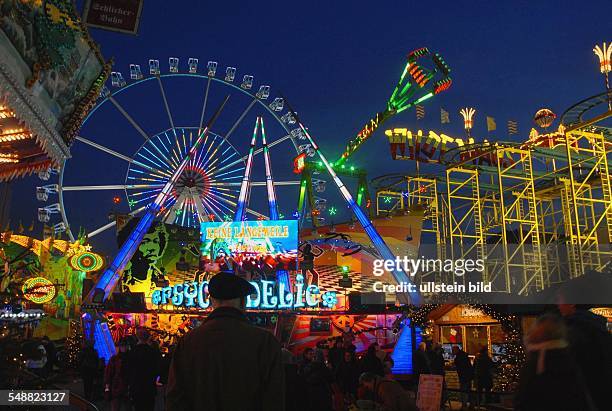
373	298
129	302
370	301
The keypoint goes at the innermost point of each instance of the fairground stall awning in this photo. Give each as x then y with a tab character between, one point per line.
51	73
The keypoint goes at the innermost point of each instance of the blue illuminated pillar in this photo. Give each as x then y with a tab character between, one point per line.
246	180
269	179
402	352
111	275
400	276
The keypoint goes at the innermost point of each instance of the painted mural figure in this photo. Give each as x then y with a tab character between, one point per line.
144	267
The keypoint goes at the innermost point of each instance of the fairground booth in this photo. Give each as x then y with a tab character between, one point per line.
309	290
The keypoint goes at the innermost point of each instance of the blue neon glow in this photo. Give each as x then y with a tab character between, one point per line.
246	180
402	352
269	179
377	240
111	276
268	296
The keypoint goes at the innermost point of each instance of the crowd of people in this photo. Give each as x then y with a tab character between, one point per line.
226	363
134	378
333	378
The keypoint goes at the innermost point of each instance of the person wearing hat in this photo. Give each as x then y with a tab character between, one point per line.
226	363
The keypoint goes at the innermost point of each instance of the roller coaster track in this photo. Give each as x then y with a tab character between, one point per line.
573	117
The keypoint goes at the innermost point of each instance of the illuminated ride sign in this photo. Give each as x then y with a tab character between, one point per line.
194	294
250	238
431	148
39	290
86	261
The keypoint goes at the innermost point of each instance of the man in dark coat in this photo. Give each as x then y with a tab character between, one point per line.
550	378
143	364
227	363
465	372
420	362
591	346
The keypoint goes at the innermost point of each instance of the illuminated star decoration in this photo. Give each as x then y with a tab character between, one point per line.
387	199
332	211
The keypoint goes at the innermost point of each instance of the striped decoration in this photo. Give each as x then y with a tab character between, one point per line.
420	112
512	127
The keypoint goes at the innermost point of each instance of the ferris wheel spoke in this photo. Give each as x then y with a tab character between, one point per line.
161	153
276	183
233	204
111	187
152	159
128	117
278	141
224	192
203	155
151	175
171	160
111	224
163	93
105	149
214	203
213	207
159	180
144	199
213	173
204	104
256	152
226	184
200	154
240	118
111	152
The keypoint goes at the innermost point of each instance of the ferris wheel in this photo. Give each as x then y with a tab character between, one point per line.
140	162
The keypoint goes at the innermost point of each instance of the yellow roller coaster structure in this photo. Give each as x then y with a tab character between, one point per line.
537	213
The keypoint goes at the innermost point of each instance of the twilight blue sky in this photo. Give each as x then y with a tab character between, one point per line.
338	61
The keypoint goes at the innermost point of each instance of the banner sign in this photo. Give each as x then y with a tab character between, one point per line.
246	242
430	148
114	15
268	295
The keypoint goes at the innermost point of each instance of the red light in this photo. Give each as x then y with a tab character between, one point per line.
299	163
116	199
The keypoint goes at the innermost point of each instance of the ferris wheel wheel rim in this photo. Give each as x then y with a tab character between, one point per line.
116	92
192	75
